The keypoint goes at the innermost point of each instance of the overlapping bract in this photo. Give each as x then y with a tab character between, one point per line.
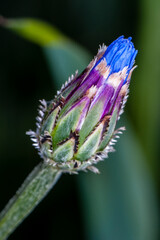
77	128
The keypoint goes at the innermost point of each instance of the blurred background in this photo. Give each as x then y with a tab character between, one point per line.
122	203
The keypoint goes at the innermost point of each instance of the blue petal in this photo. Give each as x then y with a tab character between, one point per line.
119	54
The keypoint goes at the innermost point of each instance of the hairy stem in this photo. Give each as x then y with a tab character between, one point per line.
32	191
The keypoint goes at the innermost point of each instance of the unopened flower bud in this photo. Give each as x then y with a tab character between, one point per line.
77	128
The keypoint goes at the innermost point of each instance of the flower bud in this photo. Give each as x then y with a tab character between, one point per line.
77	128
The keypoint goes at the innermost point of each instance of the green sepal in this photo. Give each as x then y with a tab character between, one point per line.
45	150
91	120
67	124
110	131
65	151
49	123
90	146
46	145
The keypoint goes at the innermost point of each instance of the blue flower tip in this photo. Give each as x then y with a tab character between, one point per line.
122	36
119	54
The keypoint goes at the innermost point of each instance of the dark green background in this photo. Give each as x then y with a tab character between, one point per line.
25	78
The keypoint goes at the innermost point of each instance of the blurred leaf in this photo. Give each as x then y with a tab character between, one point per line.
64	56
36	31
64	61
119	203
146	95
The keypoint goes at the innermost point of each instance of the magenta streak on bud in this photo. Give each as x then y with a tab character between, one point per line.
110	105
82	117
117	103
85	101
104	95
91	80
90	93
121	93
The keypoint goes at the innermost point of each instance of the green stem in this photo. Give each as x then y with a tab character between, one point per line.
32	191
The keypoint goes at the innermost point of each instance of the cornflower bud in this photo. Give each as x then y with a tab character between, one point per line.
77	129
